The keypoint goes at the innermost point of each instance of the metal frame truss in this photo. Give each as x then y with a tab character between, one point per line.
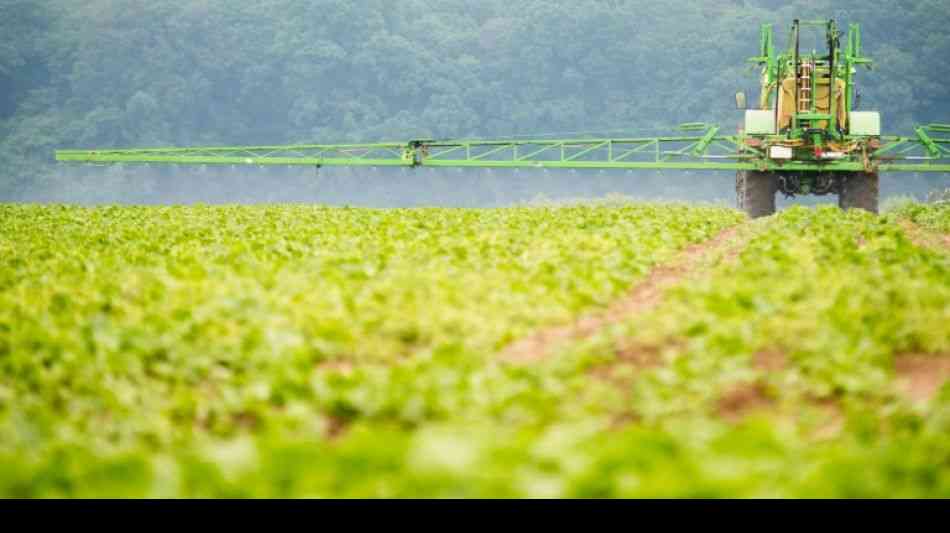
706	151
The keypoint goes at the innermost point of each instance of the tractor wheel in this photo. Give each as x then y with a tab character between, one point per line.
860	191
755	192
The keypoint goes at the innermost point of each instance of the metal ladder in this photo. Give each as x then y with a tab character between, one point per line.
804	87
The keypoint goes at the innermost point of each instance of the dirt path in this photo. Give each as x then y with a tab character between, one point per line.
644	296
920	376
925	238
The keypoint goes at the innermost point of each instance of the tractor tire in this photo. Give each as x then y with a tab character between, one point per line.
755	192
860	190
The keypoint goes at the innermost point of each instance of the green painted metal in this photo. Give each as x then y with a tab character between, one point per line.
817	148
928	143
710	151
832	65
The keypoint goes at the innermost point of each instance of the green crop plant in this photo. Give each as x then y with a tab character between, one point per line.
932	216
799	336
134	335
312	352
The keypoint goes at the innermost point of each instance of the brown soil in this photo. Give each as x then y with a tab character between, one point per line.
770	361
247	421
638	357
751	398
336	427
641	355
921	376
337	366
834	419
644	296
742	400
925	238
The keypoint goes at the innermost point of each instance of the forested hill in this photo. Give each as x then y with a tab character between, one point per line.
115	73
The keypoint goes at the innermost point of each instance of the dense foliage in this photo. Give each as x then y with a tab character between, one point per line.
933	216
144	332
293	351
160	72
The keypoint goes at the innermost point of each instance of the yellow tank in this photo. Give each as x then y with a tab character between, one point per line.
786	102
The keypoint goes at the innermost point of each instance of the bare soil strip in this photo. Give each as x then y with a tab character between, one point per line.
644	296
770	361
744	399
921	376
925	238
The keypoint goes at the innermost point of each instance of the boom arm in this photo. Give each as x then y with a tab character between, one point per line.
928	151
708	151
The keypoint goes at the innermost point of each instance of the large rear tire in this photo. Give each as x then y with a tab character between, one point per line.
860	190
755	192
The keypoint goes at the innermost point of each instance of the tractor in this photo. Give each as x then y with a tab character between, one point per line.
806	128
804	136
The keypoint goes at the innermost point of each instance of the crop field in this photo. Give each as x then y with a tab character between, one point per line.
598	350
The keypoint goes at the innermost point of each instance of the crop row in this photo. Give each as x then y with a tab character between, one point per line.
311	352
807	366
167	350
933	216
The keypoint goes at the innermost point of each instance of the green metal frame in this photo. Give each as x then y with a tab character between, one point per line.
836	65
700	147
927	152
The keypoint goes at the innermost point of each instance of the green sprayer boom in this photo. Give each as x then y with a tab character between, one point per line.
709	151
803	136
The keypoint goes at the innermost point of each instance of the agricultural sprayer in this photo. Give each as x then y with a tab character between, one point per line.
803	136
